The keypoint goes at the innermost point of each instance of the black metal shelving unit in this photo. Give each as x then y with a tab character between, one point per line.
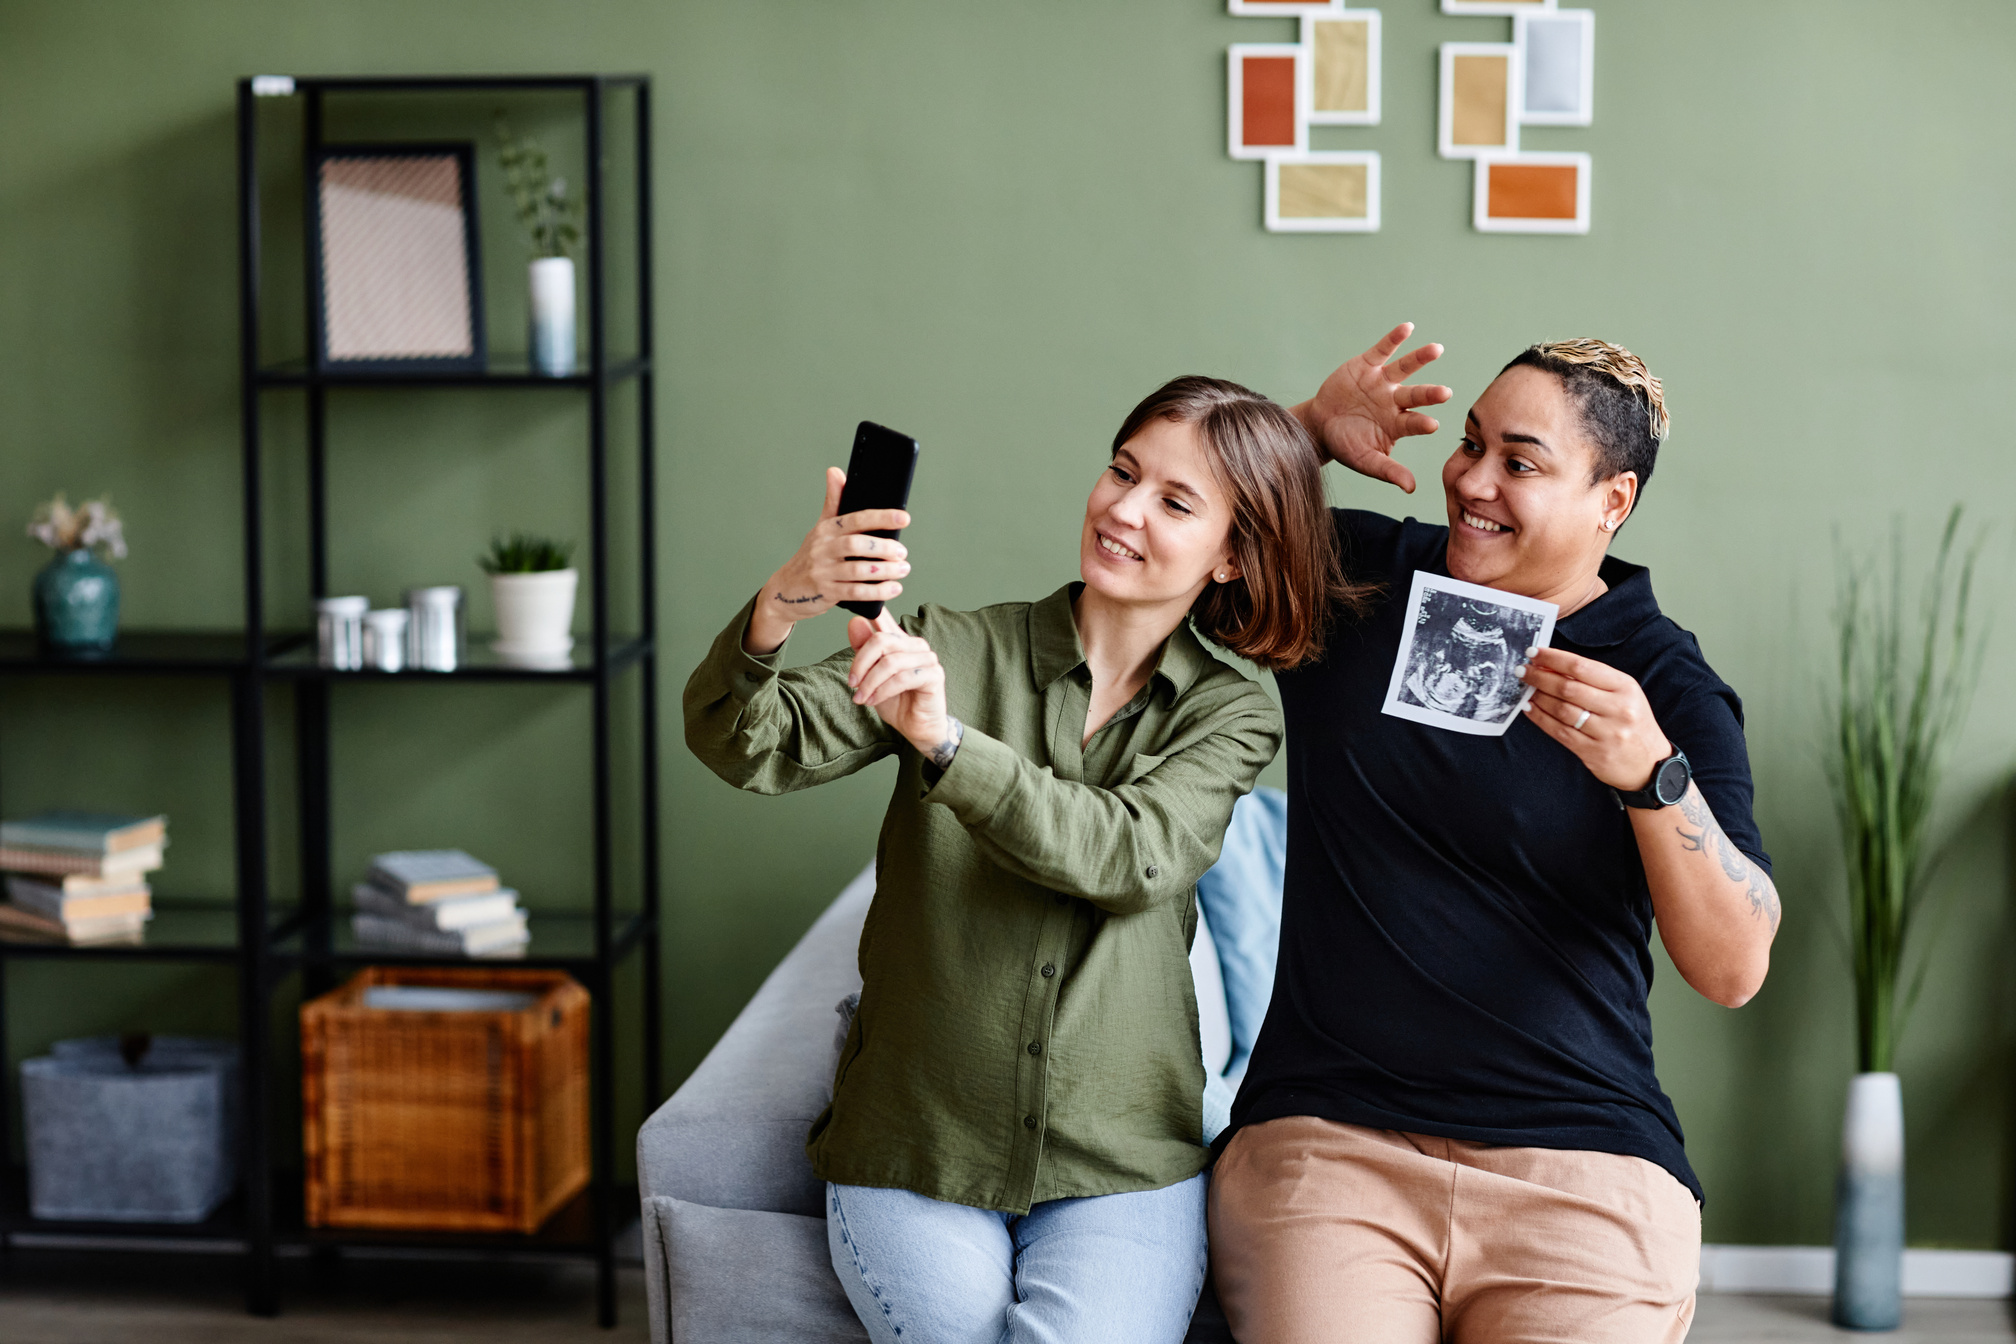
267	944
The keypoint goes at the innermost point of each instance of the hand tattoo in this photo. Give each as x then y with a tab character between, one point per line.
1736	865
798	601
941	755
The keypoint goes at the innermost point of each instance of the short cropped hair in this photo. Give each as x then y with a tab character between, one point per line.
1623	407
1291	577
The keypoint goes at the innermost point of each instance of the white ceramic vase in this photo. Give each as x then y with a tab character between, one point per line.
552	335
1869	1206
535	616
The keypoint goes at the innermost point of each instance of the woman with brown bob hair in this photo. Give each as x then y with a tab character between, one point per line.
1014	1148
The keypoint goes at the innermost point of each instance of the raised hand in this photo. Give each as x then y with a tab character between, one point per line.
1363	410
824	570
898	674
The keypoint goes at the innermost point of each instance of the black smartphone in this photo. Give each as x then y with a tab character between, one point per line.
878	477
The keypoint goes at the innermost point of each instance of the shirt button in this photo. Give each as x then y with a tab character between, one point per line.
1061	898
1028	1122
1035	1047
1153	871
1049	971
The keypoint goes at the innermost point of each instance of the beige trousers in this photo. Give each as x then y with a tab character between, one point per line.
1324	1233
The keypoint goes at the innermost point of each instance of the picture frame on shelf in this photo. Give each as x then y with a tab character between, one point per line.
395	266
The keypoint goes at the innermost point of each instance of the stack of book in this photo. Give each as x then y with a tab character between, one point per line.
79	877
437	902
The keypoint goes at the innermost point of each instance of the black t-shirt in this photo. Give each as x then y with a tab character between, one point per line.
1465	929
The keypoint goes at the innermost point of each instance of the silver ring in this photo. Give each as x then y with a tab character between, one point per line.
1584	719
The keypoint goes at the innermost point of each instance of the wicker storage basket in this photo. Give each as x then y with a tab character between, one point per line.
467	1120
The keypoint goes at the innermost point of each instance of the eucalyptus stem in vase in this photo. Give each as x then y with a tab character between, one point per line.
551	218
1903	690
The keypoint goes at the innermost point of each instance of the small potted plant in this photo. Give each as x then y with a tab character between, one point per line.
551	219
532	589
77	593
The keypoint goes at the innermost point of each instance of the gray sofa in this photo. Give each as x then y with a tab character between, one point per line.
733	1219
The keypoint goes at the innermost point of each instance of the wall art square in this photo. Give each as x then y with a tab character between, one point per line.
1323	192
1267	88
1532	193
1560	67
1479	100
1343	55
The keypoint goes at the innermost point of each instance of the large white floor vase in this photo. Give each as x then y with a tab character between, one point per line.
552	335
1869	1206
535	616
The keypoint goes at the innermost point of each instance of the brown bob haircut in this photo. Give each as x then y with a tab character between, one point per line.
1291	579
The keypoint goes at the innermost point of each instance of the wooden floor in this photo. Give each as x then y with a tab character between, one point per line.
1743	1319
67	1297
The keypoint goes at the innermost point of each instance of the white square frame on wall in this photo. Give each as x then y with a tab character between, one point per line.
1496	9
1445	112
1583	22
1481	190
1281	9
1235	98
1368	223
1374	43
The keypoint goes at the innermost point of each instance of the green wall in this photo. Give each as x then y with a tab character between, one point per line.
997	227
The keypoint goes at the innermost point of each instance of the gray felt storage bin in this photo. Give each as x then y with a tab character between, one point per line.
156	1143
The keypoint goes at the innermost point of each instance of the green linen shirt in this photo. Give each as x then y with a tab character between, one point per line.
1027	1028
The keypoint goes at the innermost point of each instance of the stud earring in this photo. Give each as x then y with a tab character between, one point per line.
1609	526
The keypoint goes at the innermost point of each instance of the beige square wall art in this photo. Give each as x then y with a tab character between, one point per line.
1323	192
1344	68
1480	93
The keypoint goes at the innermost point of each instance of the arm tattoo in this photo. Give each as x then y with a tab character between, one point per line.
1736	865
798	601
941	755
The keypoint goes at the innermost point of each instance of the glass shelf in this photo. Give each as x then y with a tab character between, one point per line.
505	370
296	658
181	930
173	652
559	942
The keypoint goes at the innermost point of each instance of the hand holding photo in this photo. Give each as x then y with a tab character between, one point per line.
1457	661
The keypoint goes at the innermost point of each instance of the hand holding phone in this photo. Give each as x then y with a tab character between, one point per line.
851	556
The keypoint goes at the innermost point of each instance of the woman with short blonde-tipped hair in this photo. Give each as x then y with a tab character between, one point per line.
1450	1128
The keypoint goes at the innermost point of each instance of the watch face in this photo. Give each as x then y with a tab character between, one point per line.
1671	782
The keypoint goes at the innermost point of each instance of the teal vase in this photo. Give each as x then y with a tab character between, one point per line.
77	603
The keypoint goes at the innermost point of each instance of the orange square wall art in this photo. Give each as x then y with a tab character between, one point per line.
1268	95
1532	193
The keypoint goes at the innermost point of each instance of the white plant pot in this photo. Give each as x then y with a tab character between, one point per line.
535	616
552	335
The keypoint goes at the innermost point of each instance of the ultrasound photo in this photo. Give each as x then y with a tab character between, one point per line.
1456	661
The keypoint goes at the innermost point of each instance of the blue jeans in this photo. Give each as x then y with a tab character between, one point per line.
1110	1269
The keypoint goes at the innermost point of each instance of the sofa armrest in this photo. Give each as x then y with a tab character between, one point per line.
733	1135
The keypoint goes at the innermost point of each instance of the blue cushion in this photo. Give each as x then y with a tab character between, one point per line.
1241	896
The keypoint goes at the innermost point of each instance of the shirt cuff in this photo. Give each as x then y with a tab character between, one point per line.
745	672
979	779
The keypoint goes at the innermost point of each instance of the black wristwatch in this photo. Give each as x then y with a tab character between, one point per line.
1669	784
